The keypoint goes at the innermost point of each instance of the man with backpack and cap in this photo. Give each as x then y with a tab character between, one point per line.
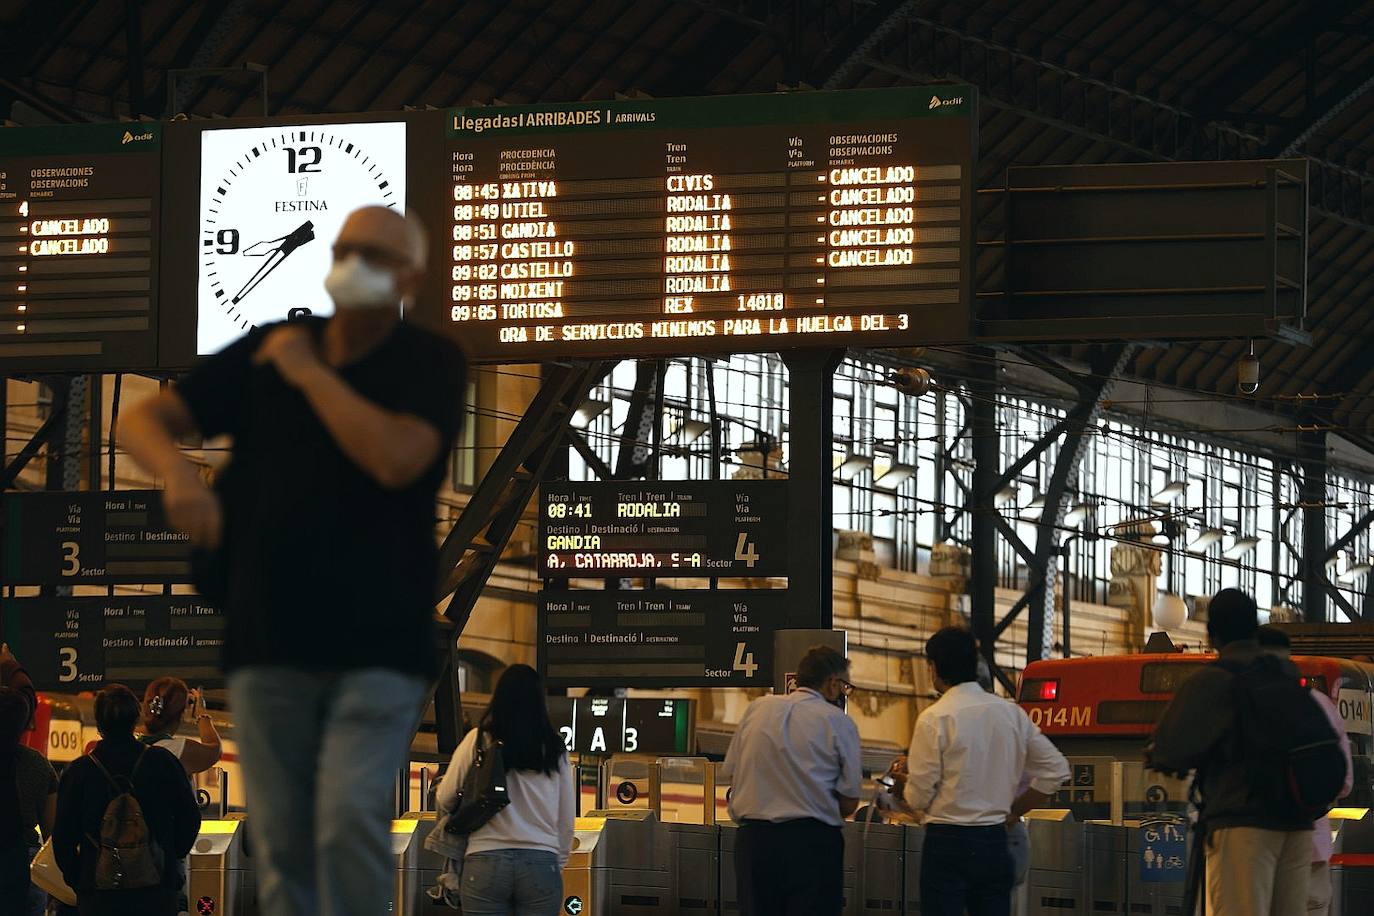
1267	762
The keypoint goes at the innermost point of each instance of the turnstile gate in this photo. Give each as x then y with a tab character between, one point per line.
874	858
620	864
220	876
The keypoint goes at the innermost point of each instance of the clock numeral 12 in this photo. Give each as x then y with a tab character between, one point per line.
305	159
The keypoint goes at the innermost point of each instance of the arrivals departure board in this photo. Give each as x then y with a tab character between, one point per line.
663	528
80	643
660	638
711	225
79	247
92	538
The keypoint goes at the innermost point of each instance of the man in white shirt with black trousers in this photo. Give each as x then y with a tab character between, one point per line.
795	774
969	751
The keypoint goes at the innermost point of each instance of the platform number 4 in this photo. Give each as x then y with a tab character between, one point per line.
744	550
744	660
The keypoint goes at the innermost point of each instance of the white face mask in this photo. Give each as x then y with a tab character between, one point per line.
355	284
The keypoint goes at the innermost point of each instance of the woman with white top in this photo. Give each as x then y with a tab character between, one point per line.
164	705
514	862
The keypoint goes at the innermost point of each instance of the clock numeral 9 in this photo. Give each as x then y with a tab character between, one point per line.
305	159
227	241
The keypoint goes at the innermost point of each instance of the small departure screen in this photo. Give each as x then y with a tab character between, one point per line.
669	528
92	538
78	253
660	637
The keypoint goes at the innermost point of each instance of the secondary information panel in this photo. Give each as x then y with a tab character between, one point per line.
654	638
78	252
613	725
670	528
72	643
722	224
92	538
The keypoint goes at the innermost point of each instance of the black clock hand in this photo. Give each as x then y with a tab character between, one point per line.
283	247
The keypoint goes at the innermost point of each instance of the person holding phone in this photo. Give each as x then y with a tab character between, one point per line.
166	703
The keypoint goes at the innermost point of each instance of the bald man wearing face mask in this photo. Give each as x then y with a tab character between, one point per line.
318	540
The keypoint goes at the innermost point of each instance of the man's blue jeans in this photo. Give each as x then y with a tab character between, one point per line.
320	752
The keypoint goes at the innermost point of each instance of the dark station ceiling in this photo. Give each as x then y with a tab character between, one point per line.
1061	81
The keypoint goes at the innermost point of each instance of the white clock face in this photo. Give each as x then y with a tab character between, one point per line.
272	200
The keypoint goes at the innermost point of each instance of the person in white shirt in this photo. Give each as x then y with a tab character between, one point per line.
795	776
514	861
969	751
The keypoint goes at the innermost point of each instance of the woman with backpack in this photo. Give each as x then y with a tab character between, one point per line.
164	705
514	862
125	814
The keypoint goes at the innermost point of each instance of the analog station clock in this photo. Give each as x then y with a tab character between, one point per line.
272	200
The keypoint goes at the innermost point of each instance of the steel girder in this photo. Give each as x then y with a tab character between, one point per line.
1042	568
473	547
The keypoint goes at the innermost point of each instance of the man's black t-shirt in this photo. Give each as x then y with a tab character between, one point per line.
325	568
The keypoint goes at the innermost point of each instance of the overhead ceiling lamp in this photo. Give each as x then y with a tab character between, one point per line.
1034	507
1005	495
689	431
1170	611
852	466
1240	547
1204	541
1170	492
1076	514
589	411
1355	571
895	476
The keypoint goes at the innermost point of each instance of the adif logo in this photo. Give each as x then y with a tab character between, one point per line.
937	102
135	138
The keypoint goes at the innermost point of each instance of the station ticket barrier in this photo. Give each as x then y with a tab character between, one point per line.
1352	860
682	794
621	863
913	840
1133	867
220	873
417	869
1056	866
874	868
212	793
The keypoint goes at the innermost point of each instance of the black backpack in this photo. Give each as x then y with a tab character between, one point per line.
483	793
1292	755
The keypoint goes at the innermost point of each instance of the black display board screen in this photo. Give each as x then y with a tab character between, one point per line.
92	538
84	642
724	224
660	638
668	528
79	245
614	725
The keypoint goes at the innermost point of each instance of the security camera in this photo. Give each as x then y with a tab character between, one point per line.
1247	374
